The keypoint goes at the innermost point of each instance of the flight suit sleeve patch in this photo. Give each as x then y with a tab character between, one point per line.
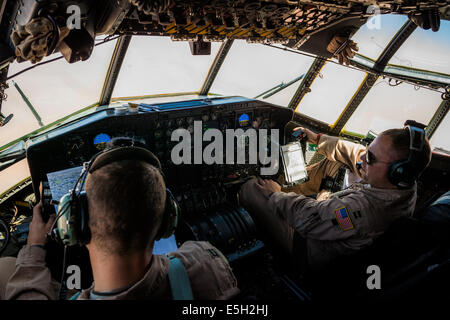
343	219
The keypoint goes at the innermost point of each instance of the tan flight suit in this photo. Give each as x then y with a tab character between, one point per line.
338	225
210	276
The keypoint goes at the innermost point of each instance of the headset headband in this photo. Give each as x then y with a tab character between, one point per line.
416	143
123	153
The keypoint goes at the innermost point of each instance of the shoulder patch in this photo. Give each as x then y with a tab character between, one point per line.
342	217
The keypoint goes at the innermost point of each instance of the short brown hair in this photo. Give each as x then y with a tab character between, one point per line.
126	200
400	142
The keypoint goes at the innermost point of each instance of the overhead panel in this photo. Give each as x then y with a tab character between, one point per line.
256	21
298	24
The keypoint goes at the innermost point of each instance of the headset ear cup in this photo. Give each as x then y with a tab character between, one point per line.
401	174
72	225
394	173
65	228
170	217
409	176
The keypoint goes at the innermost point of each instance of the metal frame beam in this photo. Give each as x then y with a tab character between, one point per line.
354	102
400	37
437	118
28	103
215	66
114	68
396	42
307	81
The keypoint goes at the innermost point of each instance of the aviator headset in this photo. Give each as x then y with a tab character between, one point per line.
73	215
403	173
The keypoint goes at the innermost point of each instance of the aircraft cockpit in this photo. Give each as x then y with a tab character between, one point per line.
215	89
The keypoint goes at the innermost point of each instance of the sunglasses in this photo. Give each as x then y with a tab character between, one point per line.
371	159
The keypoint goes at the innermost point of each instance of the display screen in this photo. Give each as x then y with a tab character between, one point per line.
62	181
164	246
293	163
101	140
244	120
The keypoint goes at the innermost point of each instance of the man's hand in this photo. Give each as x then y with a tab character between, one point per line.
267	187
311	136
38	228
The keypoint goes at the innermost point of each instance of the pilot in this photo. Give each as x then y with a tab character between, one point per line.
126	201
315	231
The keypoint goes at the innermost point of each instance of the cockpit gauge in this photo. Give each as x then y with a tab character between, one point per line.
101	141
244	120
205	117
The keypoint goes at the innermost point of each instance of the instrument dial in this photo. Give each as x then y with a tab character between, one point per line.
101	141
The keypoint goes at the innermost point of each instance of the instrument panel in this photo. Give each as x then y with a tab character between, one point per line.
206	192
75	143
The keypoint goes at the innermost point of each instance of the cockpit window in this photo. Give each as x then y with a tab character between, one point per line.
14	174
157	65
330	92
426	50
55	90
440	139
374	36
252	69
387	106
